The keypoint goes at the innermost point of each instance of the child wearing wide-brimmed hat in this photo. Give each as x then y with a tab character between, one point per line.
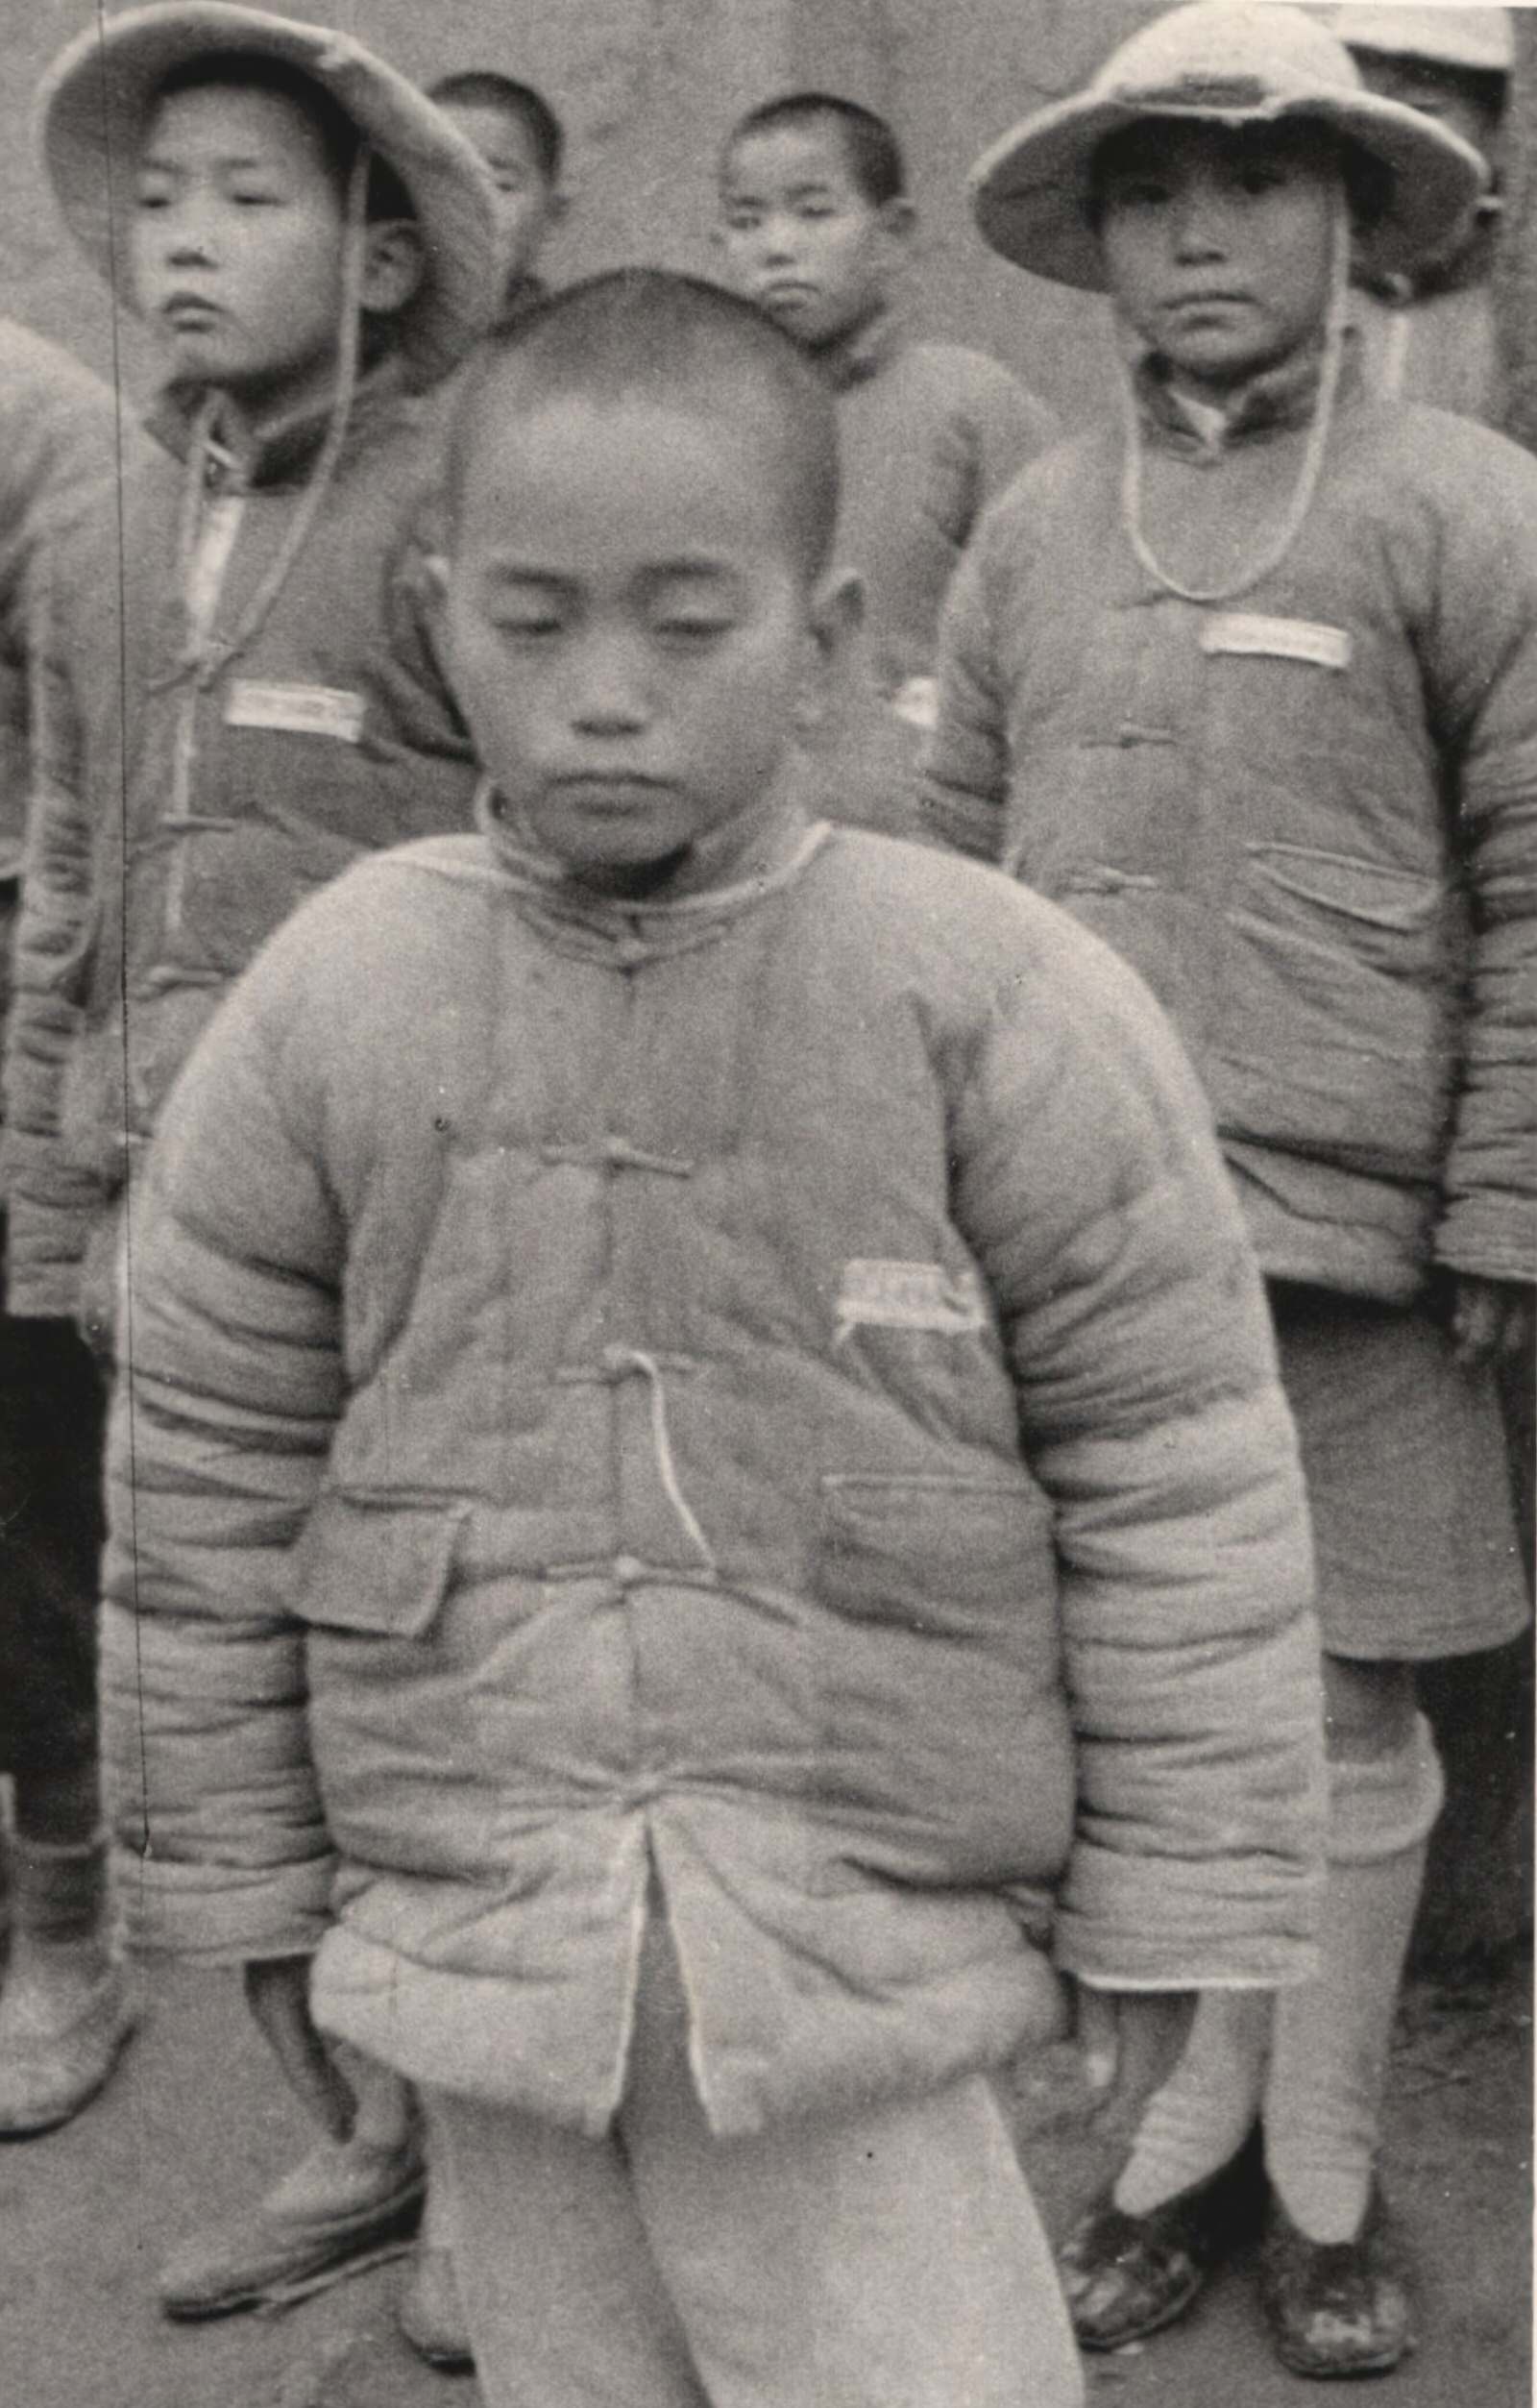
1250	683
308	244
1429	335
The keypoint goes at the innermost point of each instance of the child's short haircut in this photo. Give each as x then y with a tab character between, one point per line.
873	151
646	334
481	88
252	71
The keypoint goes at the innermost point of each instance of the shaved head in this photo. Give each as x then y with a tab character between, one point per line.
674	342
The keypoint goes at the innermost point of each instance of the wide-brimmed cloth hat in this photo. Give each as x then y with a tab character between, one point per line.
1218	63
1480	39
94	101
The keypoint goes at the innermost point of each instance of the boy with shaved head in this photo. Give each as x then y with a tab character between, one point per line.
702	1499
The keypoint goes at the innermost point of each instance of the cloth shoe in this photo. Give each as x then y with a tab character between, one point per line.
67	2010
430	2312
61	2035
342	2202
1337	2308
1125	2276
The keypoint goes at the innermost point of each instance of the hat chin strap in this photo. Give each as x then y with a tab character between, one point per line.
214	656
1312	461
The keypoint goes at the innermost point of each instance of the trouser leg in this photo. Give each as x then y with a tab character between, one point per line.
891	2258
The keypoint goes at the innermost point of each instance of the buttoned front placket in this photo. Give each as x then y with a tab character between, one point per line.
219	504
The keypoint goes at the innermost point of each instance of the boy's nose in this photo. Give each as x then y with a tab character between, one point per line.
777	242
609	695
1198	227
184	239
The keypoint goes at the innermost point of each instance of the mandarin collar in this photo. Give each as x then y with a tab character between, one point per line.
1274	402
733	873
283	451
854	358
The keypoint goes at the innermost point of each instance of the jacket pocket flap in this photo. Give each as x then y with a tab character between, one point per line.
941	1549
1376	891
380	1567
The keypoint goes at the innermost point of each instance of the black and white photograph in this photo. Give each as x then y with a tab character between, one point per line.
768	1203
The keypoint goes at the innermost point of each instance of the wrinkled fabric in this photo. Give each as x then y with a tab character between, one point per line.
772	1388
59	433
1309	816
928	436
180	812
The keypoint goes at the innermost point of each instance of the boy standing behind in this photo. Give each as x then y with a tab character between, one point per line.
1251	685
255	703
702	1445
1430	336
521	140
816	225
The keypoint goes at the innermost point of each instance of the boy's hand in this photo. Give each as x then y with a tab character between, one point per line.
1491	1319
278	1996
1131	2041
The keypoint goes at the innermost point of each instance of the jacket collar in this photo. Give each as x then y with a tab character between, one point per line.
283	451
1272	403
522	294
855	358
730	874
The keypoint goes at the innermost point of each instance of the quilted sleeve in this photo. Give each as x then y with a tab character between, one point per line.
1485	680
52	1203
229	1391
1152	1412
966	767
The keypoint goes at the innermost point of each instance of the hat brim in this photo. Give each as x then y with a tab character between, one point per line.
90	112
1032	192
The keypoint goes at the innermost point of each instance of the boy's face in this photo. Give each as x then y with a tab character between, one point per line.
799	237
1218	242
528	203
629	631
238	241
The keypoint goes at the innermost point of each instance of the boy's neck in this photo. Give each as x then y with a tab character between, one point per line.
279	442
862	350
1276	392
269	405
751	846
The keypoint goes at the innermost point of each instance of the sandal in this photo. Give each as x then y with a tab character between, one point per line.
1125	2276
1337	2308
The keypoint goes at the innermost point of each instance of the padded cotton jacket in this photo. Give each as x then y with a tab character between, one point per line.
187	798
59	431
771	1388
1309	816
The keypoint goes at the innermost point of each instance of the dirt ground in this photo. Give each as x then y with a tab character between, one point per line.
195	2123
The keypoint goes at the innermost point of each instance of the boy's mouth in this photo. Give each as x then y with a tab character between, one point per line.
189	314
612	790
1182	304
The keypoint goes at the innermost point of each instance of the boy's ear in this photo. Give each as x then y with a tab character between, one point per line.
900	219
393	264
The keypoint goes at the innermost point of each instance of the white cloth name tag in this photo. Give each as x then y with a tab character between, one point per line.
1282	639
296	710
907	1296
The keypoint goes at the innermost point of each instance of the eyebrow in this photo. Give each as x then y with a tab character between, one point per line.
508	569
795	191
229	162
